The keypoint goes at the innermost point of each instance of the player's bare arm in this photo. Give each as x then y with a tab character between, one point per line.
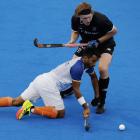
74	36
108	35
80	98
95	84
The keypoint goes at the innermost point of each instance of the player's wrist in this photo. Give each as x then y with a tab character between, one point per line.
82	101
85	106
94	43
98	41
71	42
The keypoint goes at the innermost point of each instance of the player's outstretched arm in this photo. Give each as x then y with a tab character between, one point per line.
80	98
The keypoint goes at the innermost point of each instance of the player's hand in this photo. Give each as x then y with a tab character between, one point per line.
95	101
86	112
70	42
93	43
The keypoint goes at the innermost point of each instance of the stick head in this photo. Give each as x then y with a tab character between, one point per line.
36	42
86	125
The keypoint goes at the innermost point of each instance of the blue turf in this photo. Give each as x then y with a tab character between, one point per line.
21	62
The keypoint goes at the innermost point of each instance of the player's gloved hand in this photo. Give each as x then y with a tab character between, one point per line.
93	43
95	101
86	112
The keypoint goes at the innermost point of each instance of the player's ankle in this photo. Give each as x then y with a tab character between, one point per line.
100	109
95	101
32	109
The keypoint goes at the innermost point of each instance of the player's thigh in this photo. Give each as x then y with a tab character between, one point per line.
47	89
52	98
30	93
50	94
105	60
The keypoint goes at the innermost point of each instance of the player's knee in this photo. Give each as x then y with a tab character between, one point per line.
17	101
103	69
61	114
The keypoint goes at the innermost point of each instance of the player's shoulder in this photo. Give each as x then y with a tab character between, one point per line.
98	16
75	18
77	60
78	63
77	69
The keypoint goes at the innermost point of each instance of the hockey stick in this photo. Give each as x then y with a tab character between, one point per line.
86	124
39	45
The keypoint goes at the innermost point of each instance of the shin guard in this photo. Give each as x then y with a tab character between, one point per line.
6	101
48	111
103	87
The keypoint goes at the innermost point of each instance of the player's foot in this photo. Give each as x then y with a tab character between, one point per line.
24	110
95	101
100	109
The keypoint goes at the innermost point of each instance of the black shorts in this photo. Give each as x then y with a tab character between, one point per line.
103	48
108	48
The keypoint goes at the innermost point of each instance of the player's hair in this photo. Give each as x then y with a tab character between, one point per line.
89	52
83	9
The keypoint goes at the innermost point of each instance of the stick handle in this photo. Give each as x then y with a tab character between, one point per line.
39	45
76	45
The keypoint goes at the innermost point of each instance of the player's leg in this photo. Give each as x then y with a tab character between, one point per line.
104	63
48	111
50	94
9	101
29	94
96	98
54	105
46	88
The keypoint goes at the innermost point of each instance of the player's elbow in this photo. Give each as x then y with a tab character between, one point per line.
114	31
93	75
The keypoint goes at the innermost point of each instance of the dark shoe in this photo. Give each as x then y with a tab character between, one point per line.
95	101
100	109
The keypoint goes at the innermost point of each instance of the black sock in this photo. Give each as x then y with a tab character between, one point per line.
103	86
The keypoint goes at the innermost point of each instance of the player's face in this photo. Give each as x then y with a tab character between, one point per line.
90	62
86	19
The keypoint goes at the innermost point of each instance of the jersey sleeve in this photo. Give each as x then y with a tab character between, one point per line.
90	70
106	24
74	23
76	71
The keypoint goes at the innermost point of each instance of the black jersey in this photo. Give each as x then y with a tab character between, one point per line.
98	27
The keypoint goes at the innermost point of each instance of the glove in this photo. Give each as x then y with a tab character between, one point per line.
93	43
95	101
